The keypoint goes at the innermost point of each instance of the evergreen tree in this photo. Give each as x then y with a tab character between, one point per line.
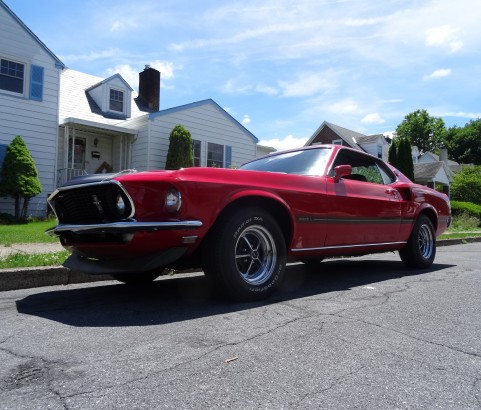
19	176
180	154
405	158
392	154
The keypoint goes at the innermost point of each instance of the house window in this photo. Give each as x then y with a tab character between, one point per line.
379	151
197	152
215	155
11	76
337	142
116	100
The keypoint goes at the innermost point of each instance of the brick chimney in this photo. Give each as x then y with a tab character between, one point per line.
149	87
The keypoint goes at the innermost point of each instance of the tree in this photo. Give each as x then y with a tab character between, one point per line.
180	154
405	158
466	186
425	132
392	154
400	156
464	143
19	176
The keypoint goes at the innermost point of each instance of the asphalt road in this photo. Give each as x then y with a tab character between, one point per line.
360	333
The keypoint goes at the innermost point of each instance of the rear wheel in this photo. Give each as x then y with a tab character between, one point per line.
245	255
421	247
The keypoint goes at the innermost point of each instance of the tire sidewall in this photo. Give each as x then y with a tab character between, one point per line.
228	235
411	255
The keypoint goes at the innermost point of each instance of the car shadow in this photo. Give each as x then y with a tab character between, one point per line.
176	299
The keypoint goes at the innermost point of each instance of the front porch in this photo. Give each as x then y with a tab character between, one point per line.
86	147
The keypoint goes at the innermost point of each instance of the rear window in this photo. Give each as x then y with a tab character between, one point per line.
305	162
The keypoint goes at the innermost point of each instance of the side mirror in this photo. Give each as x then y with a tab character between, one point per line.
342	171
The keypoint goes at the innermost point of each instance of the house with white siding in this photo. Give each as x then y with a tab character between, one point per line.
105	126
75	123
29	96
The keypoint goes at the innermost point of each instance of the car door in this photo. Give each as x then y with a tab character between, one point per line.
363	207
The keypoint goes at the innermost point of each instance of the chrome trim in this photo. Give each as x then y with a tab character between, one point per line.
103	182
322	248
124	227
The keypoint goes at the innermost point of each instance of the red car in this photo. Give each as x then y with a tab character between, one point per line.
242	226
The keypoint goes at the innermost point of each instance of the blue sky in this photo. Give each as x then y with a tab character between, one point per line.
281	67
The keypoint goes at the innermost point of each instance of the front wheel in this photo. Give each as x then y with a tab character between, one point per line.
421	247
245	255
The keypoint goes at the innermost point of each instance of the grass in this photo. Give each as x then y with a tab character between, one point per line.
33	232
20	260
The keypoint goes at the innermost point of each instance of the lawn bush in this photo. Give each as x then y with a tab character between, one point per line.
466	215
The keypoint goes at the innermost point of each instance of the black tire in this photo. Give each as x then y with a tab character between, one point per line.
135	279
421	247
245	255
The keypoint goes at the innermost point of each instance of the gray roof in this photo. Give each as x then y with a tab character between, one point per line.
428	171
75	102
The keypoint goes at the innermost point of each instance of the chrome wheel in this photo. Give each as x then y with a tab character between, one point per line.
426	241
255	255
420	249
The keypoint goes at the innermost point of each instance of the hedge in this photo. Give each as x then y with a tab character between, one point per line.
459	208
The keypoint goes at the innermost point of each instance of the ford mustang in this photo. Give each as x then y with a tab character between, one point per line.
242	226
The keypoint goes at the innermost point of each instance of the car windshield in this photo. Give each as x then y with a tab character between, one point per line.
305	162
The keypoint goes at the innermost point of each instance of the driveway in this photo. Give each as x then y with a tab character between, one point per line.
360	333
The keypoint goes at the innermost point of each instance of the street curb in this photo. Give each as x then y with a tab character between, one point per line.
26	278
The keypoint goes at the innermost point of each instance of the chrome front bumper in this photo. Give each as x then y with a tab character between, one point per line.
123	227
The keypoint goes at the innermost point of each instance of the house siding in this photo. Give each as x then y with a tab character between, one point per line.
35	121
205	123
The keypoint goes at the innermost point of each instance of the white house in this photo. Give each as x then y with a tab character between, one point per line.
74	123
105	126
29	94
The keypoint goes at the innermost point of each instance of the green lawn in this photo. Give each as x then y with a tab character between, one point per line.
33	232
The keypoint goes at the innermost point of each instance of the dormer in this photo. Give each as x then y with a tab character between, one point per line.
113	96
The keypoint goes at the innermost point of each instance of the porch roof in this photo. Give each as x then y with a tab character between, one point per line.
92	124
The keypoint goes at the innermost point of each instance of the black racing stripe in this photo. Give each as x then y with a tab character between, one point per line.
337	220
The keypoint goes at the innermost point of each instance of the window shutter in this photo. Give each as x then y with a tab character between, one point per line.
228	156
3	152
36	82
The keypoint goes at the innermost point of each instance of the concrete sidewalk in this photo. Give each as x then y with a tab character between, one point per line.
25	278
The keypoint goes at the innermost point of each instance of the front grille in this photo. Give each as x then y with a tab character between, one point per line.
92	204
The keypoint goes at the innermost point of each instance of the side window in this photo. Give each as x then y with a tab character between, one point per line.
197	148
364	168
370	172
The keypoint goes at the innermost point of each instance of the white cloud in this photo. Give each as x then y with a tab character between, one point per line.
444	35
306	85
285	143
92	56
246	120
443	72
131	73
374	118
345	106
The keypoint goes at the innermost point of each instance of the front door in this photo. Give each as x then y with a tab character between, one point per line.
76	153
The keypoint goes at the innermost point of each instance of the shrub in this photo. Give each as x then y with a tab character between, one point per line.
466	209
180	154
466	186
19	176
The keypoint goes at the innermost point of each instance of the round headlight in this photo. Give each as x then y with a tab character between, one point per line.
173	200
120	205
